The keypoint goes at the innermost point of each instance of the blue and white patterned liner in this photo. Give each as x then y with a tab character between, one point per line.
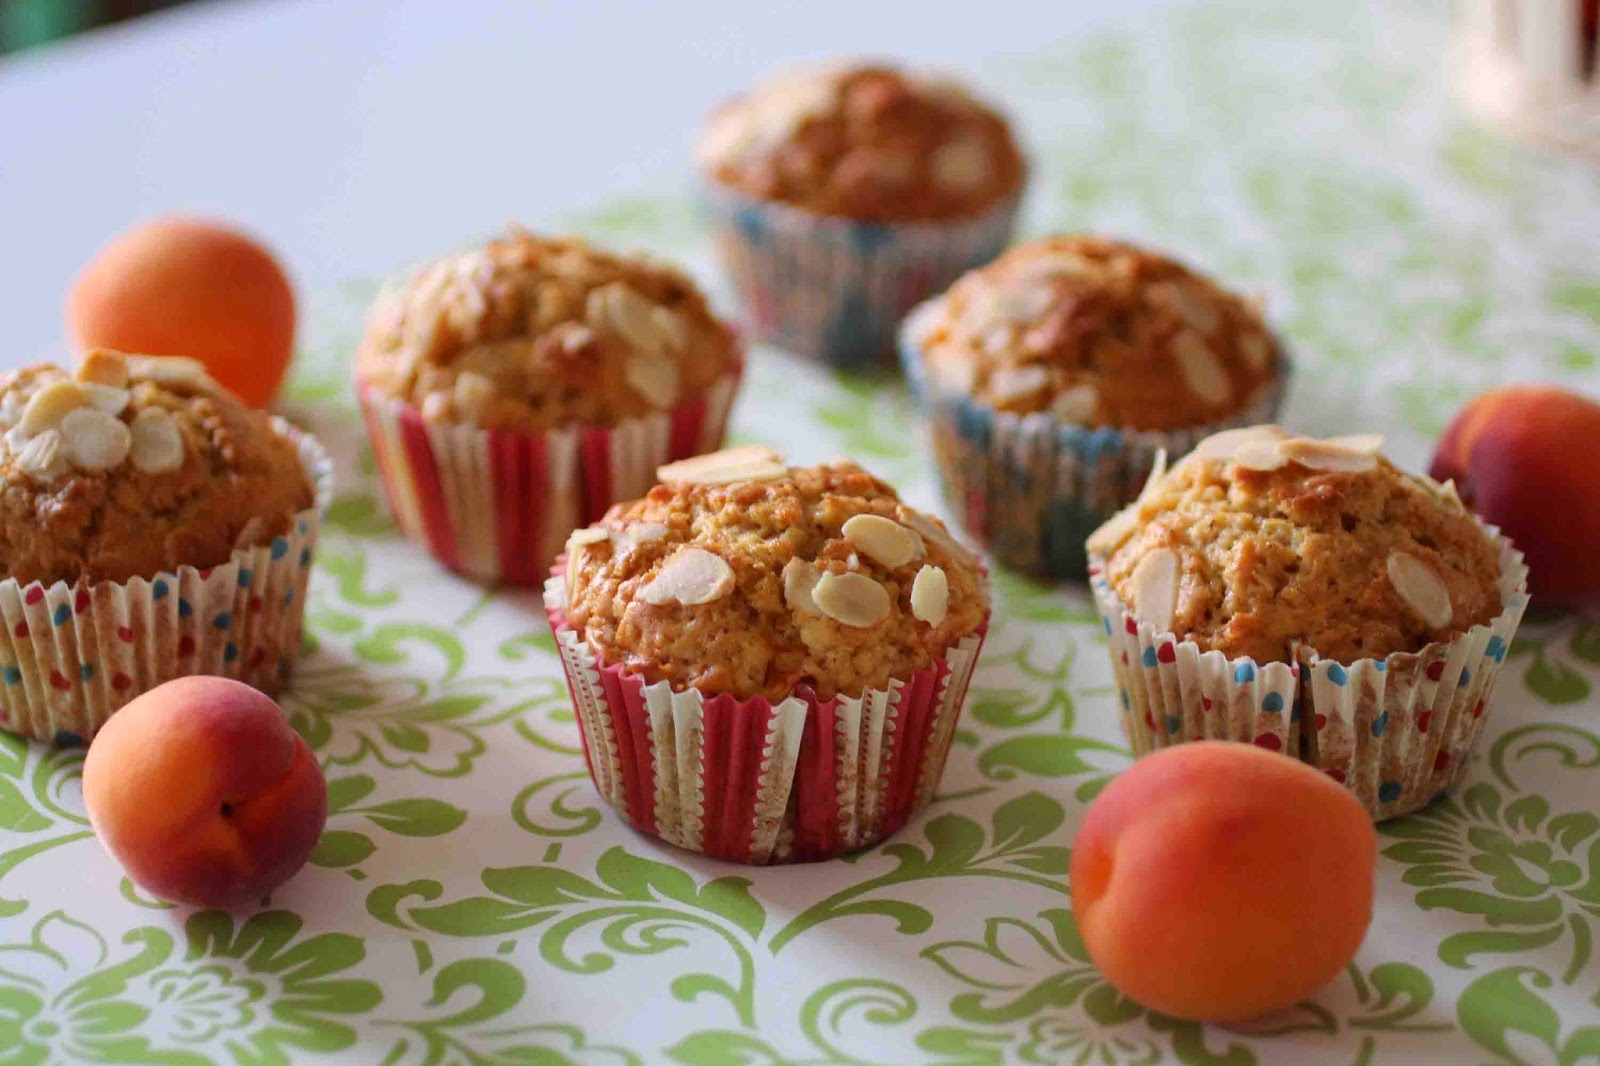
835	289
1397	732
1033	487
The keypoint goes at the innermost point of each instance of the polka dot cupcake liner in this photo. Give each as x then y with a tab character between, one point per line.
71	655
1032	488
1397	732
497	505
757	781
833	289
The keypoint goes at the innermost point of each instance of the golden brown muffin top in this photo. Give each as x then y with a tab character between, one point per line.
136	465
866	142
1260	544
741	575
1096	332
535	332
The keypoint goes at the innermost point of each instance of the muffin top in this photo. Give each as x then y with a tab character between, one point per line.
136	465
866	142
738	574
1096	332
533	333
1260	544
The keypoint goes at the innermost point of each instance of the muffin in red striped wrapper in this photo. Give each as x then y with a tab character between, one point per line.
767	662
517	390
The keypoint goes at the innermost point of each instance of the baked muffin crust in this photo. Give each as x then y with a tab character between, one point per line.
867	142
1266	545
1097	332
741	575
134	466
534	333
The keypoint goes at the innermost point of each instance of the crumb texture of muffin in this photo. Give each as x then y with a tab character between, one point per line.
1096	332
865	142
1275	547
741	575
133	466
534	333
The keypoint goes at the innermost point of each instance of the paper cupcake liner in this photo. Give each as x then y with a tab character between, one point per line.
71	655
756	781
1031	487
1397	732
497	505
834	289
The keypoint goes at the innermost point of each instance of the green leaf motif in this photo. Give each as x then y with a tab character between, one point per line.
339	848
1504	1014
359	515
1555	682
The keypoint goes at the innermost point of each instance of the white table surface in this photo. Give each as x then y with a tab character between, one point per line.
358	135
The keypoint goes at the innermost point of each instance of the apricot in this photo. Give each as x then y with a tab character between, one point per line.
1217	881
178	286
1523	457
203	793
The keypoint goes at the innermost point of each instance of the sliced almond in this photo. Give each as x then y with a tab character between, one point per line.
1371	443
669	325
104	367
94	440
657	378
1158	470
1154	583
1183	300
851	599
930	529
582	538
1202	371
1061	263
1447	492
882	539
472	394
640	533
575	337
1223	445
627	314
691	577
962	164
930	595
955	371
1256	350
752	462
1262	455
1076	404
1420	588
1326	455
255	533
1017	382
1113	531
1019	305
799	578
156	444
41	456
107	398
50	405
168	369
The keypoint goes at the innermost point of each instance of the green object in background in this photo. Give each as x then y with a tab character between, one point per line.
24	23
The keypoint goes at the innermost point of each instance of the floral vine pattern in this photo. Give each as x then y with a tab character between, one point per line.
475	902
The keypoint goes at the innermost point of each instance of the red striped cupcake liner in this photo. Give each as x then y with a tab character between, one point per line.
755	781
497	505
72	655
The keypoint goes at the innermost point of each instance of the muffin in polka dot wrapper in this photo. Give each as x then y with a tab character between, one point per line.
841	195
517	390
1309	597
767	662
1052	378
153	527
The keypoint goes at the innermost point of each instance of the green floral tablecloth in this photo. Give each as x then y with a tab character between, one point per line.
473	901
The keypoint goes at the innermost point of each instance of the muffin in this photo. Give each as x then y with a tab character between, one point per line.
767	662
1310	597
1053	376
841	195
517	390
151	526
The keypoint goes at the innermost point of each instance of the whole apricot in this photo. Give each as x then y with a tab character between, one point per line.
203	793
1217	881
178	286
1523	457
